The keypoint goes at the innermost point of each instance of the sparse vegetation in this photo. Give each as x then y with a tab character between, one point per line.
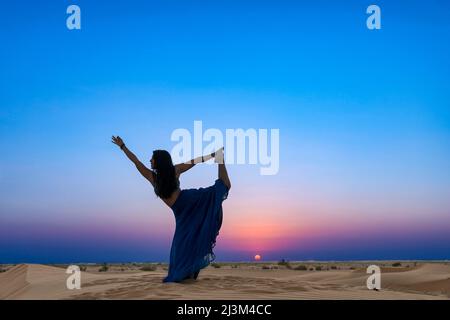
103	268
284	263
215	265
265	267
83	268
318	268
396	264
148	267
333	268
301	267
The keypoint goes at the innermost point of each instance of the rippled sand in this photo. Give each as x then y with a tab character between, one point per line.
239	281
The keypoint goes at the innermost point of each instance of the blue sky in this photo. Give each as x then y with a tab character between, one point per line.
364	119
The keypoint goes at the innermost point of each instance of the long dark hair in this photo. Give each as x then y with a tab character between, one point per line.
166	181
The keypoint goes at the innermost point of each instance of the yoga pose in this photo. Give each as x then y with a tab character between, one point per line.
198	212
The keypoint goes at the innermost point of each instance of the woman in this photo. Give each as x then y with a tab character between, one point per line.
198	212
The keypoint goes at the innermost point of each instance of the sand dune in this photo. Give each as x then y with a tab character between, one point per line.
428	281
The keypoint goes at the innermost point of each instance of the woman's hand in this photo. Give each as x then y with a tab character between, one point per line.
117	140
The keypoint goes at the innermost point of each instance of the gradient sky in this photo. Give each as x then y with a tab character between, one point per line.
364	119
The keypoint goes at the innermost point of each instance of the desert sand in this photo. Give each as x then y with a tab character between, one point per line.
230	281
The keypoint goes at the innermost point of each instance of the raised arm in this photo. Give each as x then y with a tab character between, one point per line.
146	172
183	167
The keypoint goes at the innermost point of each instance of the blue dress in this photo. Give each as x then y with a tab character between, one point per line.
198	216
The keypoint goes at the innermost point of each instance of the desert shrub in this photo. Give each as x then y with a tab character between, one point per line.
148	267
284	263
301	267
333	268
103	268
83	268
396	264
215	265
318	268
265	267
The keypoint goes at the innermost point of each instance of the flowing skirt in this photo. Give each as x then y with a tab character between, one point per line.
198	216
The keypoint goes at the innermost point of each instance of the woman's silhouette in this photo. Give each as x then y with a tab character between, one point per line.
198	212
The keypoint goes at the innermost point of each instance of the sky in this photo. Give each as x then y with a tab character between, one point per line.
364	120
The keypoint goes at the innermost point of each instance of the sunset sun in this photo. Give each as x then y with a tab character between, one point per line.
257	257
